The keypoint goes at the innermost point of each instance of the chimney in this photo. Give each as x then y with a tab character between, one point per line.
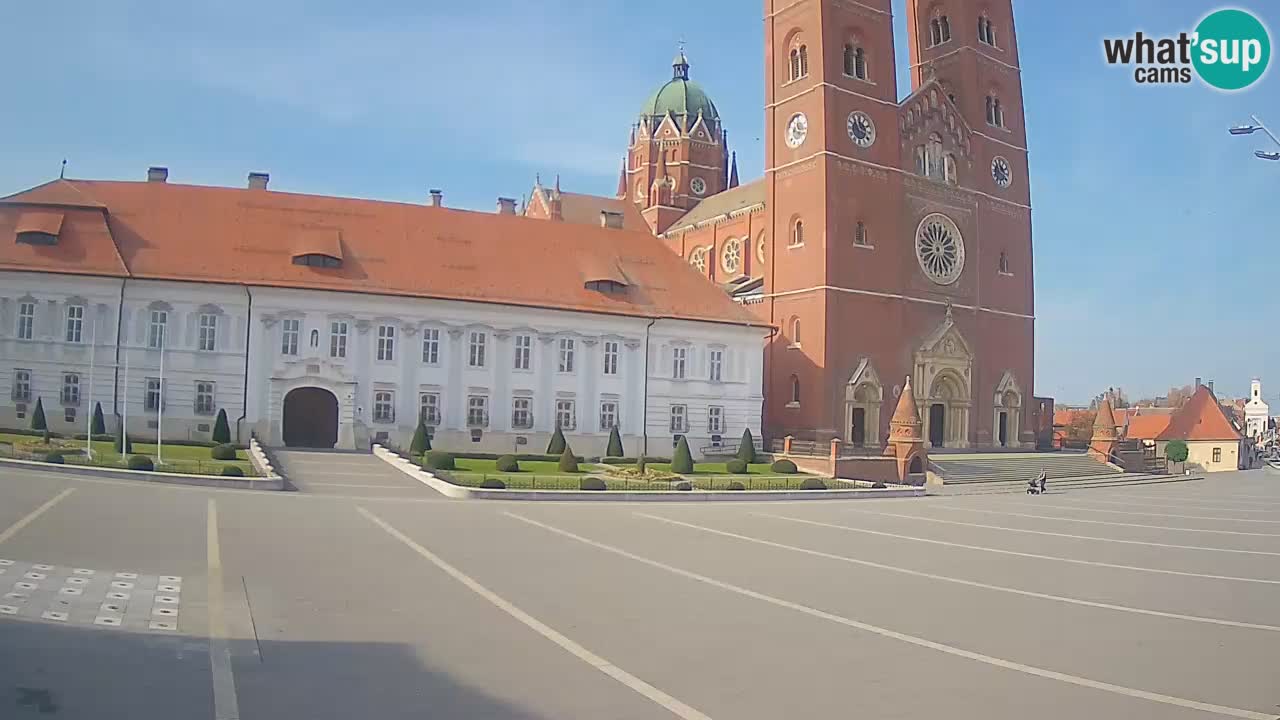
611	220
1209	385
259	180
157	174
506	206
1198	384
437	198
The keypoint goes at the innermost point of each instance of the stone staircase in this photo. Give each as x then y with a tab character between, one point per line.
957	469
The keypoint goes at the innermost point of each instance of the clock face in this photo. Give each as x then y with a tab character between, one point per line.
797	130
699	186
1001	172
862	131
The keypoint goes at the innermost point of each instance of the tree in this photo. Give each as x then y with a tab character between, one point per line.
1176	451
747	448
557	445
682	461
99	426
568	462
37	417
1080	430
615	444
420	443
221	429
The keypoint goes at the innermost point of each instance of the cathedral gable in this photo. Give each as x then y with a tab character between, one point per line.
928	112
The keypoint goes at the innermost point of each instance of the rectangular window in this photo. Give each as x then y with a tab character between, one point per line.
678	357
521	413
22	386
566	355
384	406
475	357
477	411
155	394
75	323
70	389
26	320
608	415
208	332
679	419
204	397
566	415
338	339
155	335
1217	455
524	352
431	346
610	357
716	371
386	343
715	420
291	329
429	408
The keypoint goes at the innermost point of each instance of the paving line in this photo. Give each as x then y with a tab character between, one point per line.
1221	499
911	639
30	517
961	581
225	704
1108	522
1067	535
676	707
306	483
1147	514
1035	556
1177	507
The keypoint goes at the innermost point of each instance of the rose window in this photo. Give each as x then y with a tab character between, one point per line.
731	258
940	249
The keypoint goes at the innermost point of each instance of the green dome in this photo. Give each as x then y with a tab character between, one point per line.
681	96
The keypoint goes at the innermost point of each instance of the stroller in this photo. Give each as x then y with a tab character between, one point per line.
1036	486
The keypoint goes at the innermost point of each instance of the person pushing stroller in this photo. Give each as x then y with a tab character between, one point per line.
1038	483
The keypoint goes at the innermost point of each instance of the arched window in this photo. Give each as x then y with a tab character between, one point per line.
949	169
986	31
855	61
995	113
315	338
799	61
797	234
935	32
795	390
945	26
860	235
933	157
999	113
795	332
1004	263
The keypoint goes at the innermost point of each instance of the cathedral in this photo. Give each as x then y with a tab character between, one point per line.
890	238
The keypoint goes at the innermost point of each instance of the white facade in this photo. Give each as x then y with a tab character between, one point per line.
467	359
1256	412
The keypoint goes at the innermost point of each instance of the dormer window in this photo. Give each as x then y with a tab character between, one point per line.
317	260
38	228
610	287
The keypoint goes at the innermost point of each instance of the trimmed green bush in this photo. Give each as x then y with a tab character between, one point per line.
812	483
1175	451
232	471
568	463
493	484
557	444
736	486
784	467
438	460
747	448
141	462
221	428
592	483
103	437
54	457
737	466
879	486
685	486
37	417
46	437
682	461
99	425
223	452
615	443
419	444
123	444
507	464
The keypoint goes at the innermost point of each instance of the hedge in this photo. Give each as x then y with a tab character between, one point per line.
507	464
232	471
97	437
879	486
141	462
568	462
813	483
493	484
521	457
223	452
737	466
784	467
735	485
632	460
592	483
438	460
54	457
684	486
28	432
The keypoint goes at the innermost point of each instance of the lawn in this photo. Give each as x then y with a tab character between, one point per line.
542	475
714	469
184	459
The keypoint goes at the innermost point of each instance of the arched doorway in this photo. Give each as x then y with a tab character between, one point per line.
310	418
937	424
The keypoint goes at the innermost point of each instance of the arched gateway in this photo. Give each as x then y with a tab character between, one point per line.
310	418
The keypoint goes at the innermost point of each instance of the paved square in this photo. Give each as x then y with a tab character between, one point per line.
88	596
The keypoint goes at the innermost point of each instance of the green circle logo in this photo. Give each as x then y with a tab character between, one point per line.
1232	49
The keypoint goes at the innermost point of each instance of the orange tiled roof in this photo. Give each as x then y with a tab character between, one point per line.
1201	418
232	235
586	209
1147	427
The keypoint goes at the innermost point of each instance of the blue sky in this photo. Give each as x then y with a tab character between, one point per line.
1155	231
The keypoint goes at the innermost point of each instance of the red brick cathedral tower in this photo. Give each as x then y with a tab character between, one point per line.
900	231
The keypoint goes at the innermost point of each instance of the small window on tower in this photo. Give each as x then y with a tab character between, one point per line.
860	235
797	234
1004	264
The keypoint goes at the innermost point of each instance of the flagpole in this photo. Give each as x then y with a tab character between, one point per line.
124	419
88	433
160	401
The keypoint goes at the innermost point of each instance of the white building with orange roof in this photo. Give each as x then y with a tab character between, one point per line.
333	322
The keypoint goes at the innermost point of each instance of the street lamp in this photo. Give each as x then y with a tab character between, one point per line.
1255	127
